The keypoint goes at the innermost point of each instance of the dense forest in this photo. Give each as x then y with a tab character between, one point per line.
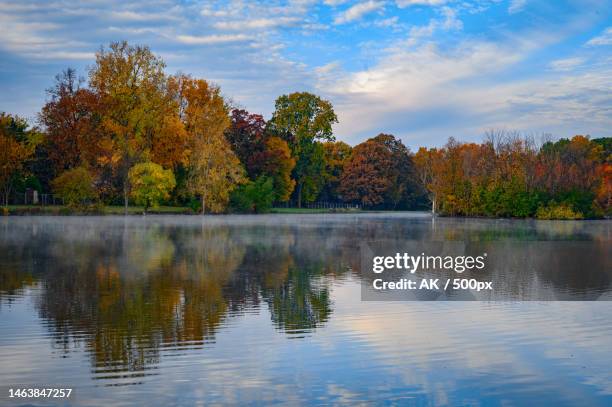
130	132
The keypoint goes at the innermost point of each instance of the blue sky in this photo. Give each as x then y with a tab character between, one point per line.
423	70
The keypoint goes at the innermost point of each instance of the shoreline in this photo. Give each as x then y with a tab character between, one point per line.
19	210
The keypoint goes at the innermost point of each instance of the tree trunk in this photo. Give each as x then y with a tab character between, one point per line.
433	206
203	200
299	195
125	198
7	194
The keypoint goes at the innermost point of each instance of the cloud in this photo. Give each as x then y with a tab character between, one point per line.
334	3
258	23
412	80
387	22
129	15
425	94
449	22
357	11
212	39
566	64
604	39
409	3
516	6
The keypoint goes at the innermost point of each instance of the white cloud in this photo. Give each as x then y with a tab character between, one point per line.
334	3
432	92
257	23
357	11
516	6
327	68
38	40
212	39
604	39
566	64
128	15
387	22
449	22
409	3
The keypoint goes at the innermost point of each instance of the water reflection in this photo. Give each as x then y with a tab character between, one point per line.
128	290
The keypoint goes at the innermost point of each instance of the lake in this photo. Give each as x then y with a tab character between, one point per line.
268	309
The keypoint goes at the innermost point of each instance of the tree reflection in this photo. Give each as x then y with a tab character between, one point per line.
138	290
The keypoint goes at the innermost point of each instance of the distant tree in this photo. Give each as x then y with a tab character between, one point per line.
131	84
213	168
17	145
75	186
150	184
426	165
72	120
303	120
379	172
261	153
247	136
277	164
254	196
335	156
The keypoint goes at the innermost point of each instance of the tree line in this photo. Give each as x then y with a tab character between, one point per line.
133	133
509	175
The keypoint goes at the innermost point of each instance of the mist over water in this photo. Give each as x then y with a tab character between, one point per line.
268	309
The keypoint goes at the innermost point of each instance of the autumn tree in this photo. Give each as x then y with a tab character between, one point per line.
304	120
427	163
72	122
336	155
262	153
247	135
277	164
75	186
214	170
151	184
17	144
378	172
131	84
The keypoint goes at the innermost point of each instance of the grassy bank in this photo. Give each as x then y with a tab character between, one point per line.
138	210
105	210
312	210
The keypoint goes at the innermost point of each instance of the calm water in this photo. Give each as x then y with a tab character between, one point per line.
268	309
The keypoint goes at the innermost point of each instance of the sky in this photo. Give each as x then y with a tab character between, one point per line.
423	70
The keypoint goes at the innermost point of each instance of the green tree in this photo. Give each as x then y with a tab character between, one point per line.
150	184
75	187
255	196
304	120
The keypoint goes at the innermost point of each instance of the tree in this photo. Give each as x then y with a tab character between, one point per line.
303	120
378	173
150	184
17	145
426	164
247	136
131	84
75	187
72	122
214	170
254	196
261	153
277	164
335	156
